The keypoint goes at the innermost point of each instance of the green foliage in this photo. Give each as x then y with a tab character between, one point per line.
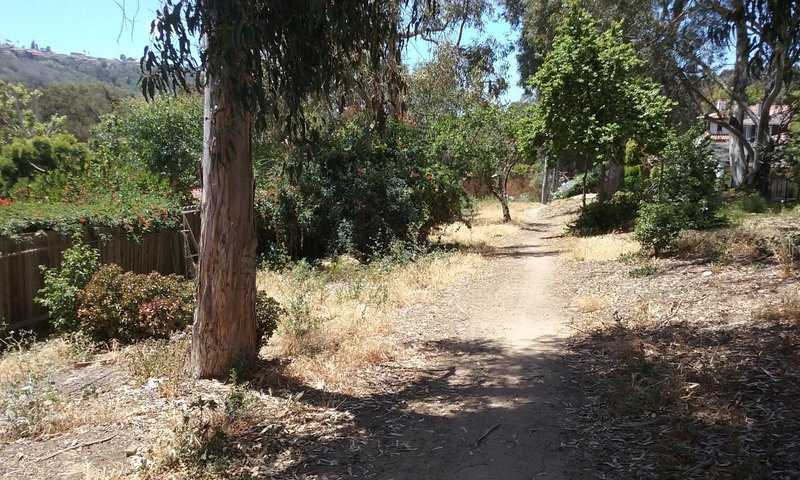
164	136
81	104
268	313
18	118
617	214
126	306
134	215
356	191
25	158
63	285
591	98
488	141
658	225
752	203
688	195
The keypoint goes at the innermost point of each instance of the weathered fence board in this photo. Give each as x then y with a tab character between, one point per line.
20	260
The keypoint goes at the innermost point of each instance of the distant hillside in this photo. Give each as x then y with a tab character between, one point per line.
40	68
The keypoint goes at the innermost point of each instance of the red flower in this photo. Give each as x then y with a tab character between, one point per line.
429	176
164	215
82	220
148	224
359	170
277	200
140	215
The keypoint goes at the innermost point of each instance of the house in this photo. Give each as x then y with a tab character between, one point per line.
780	116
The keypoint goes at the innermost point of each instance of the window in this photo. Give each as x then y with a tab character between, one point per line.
719	129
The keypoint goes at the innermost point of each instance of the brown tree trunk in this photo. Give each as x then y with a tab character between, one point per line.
224	329
737	153
616	179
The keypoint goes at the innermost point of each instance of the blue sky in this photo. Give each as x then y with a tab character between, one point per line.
96	28
93	27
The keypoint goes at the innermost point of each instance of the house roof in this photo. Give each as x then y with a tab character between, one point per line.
778	114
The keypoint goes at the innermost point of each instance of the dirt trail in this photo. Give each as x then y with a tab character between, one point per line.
495	410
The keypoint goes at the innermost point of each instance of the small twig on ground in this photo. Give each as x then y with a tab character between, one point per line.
74	447
486	434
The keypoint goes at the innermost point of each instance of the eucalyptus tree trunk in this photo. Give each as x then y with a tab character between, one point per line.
737	150
224	329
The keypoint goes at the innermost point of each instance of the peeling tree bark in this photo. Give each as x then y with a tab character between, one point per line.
225	327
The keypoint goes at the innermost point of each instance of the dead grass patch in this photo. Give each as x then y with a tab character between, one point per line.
487	230
339	315
160	361
601	248
24	358
693	373
588	304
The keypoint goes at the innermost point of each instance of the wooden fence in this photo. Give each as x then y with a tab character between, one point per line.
21	277
782	189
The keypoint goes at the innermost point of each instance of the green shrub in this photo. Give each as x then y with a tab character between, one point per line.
62	286
753	203
355	191
127	306
616	214
268	313
658	225
688	193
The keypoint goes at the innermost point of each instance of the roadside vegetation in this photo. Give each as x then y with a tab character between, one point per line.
330	328
688	355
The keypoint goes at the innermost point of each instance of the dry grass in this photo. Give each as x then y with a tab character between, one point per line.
588	304
24	359
165	360
487	230
602	248
340	314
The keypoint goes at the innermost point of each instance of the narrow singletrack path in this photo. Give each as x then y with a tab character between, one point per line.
494	411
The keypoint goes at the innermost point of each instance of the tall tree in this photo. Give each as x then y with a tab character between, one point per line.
490	140
593	99
764	36
259	58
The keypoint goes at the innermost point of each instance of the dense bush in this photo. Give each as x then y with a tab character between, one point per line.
616	214
26	158
658	225
163	137
62	286
687	192
133	214
268	313
127	306
356	191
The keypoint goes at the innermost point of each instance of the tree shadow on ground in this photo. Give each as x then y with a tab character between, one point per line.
521	251
483	412
690	401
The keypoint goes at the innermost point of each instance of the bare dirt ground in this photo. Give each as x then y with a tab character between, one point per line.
495	410
482	395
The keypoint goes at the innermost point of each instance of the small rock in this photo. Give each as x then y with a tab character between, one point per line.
707	273
131	450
